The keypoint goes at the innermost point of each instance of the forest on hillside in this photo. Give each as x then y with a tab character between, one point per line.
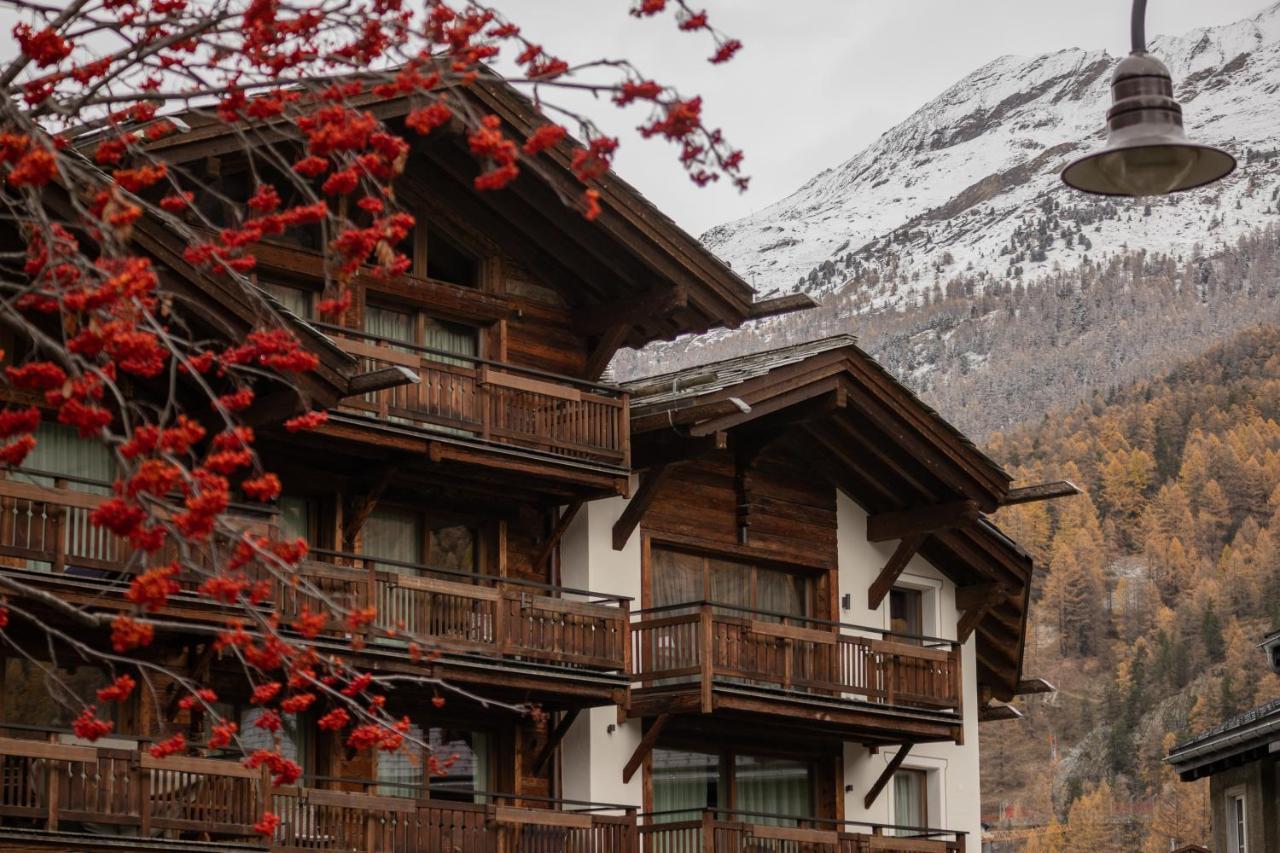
1151	593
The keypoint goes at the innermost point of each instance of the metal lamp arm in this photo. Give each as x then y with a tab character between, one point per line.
1139	26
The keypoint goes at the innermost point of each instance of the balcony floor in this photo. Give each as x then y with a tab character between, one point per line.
796	714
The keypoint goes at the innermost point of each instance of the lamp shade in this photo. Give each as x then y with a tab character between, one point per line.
1147	151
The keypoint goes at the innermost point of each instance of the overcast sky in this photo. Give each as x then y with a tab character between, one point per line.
820	79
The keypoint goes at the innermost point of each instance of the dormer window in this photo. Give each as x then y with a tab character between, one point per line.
442	258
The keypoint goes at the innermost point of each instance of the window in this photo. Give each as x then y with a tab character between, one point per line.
445	259
293	299
679	577
417	329
773	791
1237	822
40	696
911	799
460	771
906	611
424	539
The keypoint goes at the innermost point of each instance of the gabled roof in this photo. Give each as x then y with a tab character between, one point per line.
837	408
1243	738
702	397
635	271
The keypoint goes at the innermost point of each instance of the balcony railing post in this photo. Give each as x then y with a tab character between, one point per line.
53	769
708	831
706	656
142	784
957	691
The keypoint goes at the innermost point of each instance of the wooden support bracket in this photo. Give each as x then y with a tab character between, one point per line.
1028	686
562	524
907	548
381	379
644	747
553	741
995	713
608	343
886	775
921	520
631	516
1041	492
358	512
970	619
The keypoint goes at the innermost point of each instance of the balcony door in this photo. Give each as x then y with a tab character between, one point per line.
456	765
445	398
756	789
744	589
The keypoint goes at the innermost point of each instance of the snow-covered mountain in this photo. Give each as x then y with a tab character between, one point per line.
968	185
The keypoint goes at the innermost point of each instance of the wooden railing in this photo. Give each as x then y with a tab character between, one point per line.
716	831
493	401
125	792
58	786
464	612
702	643
46	528
314	819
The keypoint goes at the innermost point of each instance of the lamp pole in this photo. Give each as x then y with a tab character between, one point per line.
1147	151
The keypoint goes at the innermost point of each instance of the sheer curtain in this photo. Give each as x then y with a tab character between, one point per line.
401	773
464	758
396	534
60	450
294	299
773	786
780	592
909	799
684	782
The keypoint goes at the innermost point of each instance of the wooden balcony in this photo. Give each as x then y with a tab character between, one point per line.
714	831
835	679
99	798
541	632
493	403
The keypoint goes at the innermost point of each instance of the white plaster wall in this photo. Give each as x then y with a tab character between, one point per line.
955	789
593	757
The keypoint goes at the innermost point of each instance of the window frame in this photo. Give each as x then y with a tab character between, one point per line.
1237	822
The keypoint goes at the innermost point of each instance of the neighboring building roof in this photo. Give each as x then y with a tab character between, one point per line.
1238	740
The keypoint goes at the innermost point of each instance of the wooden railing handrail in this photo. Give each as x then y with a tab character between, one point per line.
596	387
557	591
650	612
837	824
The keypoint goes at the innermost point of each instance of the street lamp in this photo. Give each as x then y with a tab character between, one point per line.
1147	152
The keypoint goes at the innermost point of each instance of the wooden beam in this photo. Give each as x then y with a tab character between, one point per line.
907	548
764	407
380	380
597	319
553	741
1028	686
562	524
1041	492
631	516
970	619
644	747
995	713
889	770
974	594
920	520
780	305
607	344
363	506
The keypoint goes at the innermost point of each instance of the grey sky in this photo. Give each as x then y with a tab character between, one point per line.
820	79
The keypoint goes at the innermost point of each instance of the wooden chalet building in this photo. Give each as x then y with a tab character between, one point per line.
759	599
1241	759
